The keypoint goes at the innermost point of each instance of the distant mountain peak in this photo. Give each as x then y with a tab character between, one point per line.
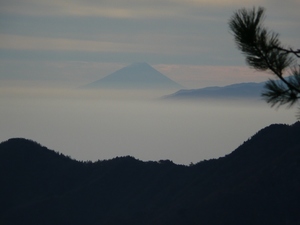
139	75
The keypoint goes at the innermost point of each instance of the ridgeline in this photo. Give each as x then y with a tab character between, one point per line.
258	183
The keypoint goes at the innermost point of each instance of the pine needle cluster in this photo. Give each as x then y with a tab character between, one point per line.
264	52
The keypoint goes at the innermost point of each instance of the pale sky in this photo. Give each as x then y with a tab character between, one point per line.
49	48
75	42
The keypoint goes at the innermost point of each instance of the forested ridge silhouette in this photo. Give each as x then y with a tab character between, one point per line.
258	183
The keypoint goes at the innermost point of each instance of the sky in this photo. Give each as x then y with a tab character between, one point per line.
52	47
74	42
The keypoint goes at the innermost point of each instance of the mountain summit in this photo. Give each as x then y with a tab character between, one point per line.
135	76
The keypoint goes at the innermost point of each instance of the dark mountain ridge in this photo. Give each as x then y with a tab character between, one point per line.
258	183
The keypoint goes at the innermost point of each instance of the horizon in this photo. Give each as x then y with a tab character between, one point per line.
48	49
69	44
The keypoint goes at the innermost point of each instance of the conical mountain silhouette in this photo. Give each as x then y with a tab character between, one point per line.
136	76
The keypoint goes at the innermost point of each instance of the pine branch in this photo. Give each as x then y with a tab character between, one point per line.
278	71
263	51
289	51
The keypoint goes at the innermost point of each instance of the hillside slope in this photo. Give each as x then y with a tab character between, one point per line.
233	91
258	183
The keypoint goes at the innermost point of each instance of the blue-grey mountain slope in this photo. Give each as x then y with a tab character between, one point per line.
240	90
135	76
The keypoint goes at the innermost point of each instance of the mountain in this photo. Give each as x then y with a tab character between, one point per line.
135	76
236	91
258	183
